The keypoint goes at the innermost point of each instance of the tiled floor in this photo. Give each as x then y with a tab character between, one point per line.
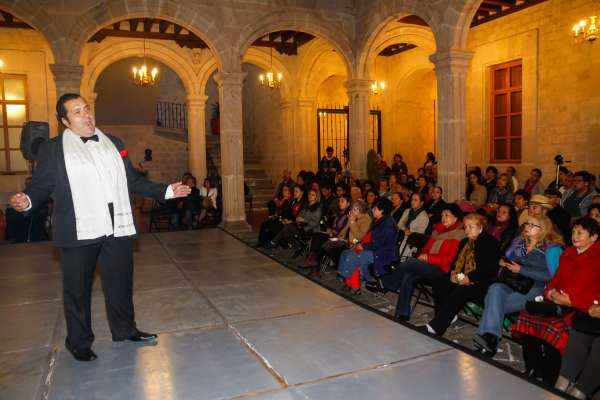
233	324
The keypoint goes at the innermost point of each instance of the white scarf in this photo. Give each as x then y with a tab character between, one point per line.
92	216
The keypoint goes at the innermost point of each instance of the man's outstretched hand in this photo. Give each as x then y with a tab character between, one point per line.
19	201
180	190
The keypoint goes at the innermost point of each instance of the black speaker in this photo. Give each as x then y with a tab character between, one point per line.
32	134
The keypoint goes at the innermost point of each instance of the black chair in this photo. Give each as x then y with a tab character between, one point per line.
160	216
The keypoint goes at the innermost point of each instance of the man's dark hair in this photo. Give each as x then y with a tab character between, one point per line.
61	110
539	171
493	169
563	169
329	149
586	176
588	224
523	193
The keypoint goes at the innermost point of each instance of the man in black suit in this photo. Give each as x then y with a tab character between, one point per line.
91	179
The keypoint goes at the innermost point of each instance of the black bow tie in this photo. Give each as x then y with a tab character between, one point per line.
93	137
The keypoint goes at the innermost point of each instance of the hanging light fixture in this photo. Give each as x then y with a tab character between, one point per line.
270	79
377	87
142	75
586	30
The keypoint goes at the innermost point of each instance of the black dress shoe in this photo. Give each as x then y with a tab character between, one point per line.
375	287
83	354
143	337
486	344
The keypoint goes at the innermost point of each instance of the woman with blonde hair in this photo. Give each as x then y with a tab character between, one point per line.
529	263
474	269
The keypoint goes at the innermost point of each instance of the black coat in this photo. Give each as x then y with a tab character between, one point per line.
50	179
487	255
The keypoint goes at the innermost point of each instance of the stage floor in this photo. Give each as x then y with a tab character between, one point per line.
232	324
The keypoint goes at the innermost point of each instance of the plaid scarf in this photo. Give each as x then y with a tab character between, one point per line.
465	262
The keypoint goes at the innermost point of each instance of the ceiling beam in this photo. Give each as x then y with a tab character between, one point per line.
190	40
481	18
413	20
396	48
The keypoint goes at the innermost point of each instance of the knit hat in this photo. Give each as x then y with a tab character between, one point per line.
541	200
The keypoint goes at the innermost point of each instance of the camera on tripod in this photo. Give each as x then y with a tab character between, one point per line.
559	159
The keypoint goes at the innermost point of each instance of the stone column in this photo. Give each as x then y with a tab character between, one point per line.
359	93
196	136
91	99
306	135
230	86
67	78
451	68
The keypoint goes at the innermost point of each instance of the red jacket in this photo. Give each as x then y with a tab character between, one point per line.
448	250
578	275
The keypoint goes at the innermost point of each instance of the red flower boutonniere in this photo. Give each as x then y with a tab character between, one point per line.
124	153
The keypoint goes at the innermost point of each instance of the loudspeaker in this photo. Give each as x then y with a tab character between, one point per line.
32	135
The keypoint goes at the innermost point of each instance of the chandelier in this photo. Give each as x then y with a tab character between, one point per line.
270	79
144	76
377	87
584	30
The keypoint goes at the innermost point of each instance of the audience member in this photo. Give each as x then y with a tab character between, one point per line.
559	216
513	182
538	205
371	197
398	206
378	247
435	205
563	173
500	193
476	191
355	193
577	199
287	213
359	222
530	261
414	219
306	222
474	269
329	166
533	185
594	212
491	178
503	226
433	262
399	167
521	200
384	188
575	286
430	167
209	196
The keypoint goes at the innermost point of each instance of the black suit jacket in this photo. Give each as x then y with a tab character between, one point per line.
50	178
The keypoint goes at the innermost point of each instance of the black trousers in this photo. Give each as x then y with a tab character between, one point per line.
581	361
115	257
542	360
450	298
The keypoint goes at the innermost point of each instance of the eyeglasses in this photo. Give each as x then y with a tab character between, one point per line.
532	225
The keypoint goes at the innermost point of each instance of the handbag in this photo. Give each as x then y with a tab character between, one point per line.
547	308
517	282
584	322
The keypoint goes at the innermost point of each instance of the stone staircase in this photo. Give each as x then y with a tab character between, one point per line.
260	184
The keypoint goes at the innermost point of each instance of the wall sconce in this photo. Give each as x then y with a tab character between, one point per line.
586	30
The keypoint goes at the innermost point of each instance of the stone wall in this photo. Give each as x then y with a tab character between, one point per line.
169	157
263	134
560	86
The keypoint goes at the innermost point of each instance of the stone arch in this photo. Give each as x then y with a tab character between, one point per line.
300	21
262	59
375	40
456	23
111	11
108	54
309	80
38	18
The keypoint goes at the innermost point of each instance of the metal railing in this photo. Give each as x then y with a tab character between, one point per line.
171	115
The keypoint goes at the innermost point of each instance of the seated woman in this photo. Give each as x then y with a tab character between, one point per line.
287	210
357	226
371	196
209	199
433	262
474	269
504	225
378	247
307	222
576	285
476	190
397	207
414	219
533	255
581	362
318	239
435	206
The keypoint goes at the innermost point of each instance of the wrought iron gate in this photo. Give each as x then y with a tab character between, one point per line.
332	130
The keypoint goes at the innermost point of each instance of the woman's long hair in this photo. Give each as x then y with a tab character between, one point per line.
548	235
